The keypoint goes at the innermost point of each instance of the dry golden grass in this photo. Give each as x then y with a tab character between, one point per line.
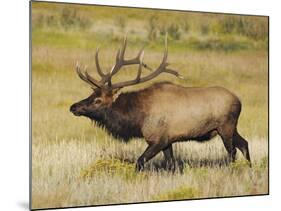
75	163
77	172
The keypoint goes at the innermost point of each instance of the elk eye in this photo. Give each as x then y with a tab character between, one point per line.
97	101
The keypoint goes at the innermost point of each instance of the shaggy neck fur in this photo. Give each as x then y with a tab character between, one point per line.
123	119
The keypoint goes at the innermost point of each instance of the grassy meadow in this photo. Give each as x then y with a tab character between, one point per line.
75	163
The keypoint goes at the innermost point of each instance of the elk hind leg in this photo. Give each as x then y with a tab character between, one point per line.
226	132
242	145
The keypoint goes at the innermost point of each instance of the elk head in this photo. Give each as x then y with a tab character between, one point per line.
104	89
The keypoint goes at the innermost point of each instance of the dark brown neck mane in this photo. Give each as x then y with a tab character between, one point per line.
123	119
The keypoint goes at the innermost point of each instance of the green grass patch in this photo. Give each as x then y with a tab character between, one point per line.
263	163
61	39
178	194
224	43
112	167
43	68
75	20
73	39
239	164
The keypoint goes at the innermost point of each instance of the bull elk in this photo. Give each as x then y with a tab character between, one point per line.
163	113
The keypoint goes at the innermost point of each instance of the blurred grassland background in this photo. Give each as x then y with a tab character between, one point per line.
76	163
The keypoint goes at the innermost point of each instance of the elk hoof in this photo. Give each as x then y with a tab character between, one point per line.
171	166
139	166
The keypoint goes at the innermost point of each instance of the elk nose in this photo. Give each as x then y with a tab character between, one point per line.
72	108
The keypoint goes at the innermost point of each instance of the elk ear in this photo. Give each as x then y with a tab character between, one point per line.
97	90
115	91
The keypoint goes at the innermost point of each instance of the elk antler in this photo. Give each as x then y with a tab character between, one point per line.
105	82
87	78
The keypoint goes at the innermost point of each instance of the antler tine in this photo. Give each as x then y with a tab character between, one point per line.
123	49
117	56
164	60
175	73
114	68
135	60
87	78
92	80
80	74
140	66
98	64
121	61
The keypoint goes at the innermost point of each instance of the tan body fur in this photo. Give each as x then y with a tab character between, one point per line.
187	112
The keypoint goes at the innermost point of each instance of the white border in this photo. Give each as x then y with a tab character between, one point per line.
15	91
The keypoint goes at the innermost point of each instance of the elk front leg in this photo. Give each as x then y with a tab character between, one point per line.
149	153
169	158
